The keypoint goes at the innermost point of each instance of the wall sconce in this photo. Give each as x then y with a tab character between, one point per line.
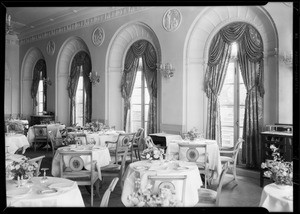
167	70
94	77
47	81
287	58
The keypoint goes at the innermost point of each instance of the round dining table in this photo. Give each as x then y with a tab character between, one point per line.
141	170
14	142
277	198
56	192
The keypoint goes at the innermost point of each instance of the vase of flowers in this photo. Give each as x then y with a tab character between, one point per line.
280	171
152	153
193	134
21	170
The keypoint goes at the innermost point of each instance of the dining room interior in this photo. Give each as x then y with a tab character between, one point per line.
151	106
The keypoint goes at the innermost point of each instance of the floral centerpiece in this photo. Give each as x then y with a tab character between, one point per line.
280	171
70	139
193	134
165	197
152	153
22	169
94	126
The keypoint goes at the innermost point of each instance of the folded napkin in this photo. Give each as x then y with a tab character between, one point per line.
47	191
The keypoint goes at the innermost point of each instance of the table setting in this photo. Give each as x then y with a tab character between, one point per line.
15	141
140	170
214	160
54	192
100	155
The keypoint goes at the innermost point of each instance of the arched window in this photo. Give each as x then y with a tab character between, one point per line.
41	96
80	89
232	102
39	87
140	66
80	101
139	101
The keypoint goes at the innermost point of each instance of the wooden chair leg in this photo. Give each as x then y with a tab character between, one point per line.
92	195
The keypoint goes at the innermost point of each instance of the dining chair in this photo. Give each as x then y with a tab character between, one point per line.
15	127
55	142
76	171
169	182
137	144
115	169
38	160
40	136
232	158
115	147
210	197
106	195
194	152
149	143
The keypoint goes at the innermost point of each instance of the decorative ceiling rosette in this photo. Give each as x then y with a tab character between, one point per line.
172	19
98	36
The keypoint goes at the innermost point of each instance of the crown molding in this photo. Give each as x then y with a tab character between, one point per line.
83	23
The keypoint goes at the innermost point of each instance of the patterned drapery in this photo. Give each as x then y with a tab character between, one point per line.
80	59
144	49
40	67
250	58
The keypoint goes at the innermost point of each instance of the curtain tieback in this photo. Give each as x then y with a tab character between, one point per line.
251	89
213	93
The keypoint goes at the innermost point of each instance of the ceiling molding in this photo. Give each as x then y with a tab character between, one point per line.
83	23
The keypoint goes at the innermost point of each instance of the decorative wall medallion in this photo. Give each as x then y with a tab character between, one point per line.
50	47
98	36
172	19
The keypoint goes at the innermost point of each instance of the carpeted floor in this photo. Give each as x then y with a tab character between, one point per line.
245	192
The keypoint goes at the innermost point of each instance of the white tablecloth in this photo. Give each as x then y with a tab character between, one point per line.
100	154
15	142
277	199
212	150
55	128
67	196
193	182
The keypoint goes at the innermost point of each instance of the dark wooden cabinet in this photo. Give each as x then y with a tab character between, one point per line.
282	140
39	119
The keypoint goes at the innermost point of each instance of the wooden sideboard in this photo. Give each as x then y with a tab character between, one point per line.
39	119
282	140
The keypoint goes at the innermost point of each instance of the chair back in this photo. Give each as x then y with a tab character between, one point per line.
40	132
38	160
193	153
76	171
80	137
237	149
221	180
137	138
149	142
169	182
106	195
17	127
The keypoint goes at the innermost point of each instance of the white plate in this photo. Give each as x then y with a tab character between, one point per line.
47	191
141	168
18	192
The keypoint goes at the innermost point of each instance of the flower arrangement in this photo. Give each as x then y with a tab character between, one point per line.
70	139
95	126
193	134
152	153
145	198
22	169
278	170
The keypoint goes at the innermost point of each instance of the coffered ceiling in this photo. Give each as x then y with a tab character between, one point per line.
30	20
